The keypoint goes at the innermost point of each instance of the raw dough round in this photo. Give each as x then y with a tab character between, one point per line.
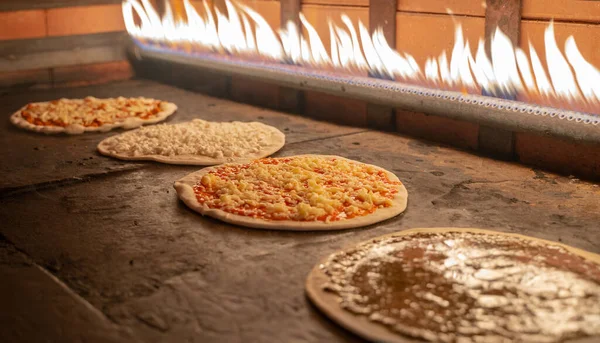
197	142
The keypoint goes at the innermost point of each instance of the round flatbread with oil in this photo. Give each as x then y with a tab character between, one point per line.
305	192
76	116
460	285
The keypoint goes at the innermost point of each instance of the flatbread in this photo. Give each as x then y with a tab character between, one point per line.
301	215
76	116
379	260
197	142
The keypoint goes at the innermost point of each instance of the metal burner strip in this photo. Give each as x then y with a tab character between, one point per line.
501	113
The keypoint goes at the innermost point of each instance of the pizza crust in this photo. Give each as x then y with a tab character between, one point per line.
167	109
278	141
328	302
185	191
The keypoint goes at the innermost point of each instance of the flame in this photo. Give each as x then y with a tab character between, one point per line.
567	80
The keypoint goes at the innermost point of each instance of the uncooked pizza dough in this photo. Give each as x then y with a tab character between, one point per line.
306	192
197	142
75	116
461	285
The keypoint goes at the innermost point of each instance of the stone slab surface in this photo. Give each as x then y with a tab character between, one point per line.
36	307
36	159
126	245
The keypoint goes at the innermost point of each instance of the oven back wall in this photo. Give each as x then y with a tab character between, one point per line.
58	42
53	43
419	21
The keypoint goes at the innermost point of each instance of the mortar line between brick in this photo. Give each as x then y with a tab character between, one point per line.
96	311
71	292
330	137
19	190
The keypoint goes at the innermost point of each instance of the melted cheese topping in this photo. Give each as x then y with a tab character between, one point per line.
227	141
89	112
304	188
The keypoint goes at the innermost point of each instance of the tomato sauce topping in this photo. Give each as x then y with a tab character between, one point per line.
299	189
89	112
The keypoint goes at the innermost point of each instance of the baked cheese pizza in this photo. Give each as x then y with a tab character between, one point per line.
75	116
306	192
197	142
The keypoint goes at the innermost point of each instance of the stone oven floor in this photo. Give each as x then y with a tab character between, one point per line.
98	249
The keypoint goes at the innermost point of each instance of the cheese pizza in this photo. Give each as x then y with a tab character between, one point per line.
75	116
197	142
305	192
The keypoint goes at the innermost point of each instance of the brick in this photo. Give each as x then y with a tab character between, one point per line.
588	11
335	109
201	81
269	10
558	155
461	7
354	3
412	30
85	20
250	91
178	8
25	78
92	73
318	16
457	133
199	6
587	37
22	24
254	92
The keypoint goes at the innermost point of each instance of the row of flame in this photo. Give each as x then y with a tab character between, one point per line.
568	81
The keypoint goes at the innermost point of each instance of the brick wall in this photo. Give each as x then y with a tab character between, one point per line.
251	91
424	29
27	28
